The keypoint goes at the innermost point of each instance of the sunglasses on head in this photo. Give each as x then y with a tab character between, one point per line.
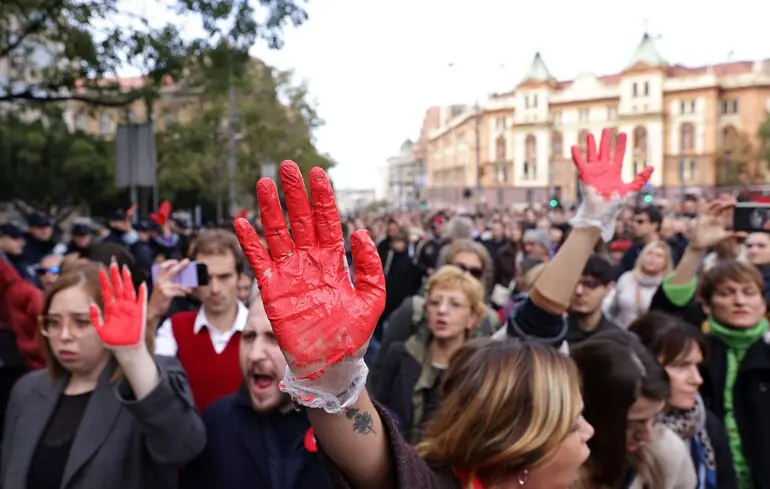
474	272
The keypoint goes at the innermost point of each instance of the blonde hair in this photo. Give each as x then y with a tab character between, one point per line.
451	277
656	245
507	406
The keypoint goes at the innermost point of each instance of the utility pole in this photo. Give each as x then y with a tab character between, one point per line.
231	160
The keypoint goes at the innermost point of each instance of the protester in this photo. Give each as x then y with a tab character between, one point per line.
323	327
103	397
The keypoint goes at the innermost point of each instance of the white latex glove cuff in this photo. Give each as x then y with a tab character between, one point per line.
336	389
596	211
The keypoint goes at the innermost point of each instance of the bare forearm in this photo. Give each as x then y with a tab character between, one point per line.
688	266
557	282
140	370
356	441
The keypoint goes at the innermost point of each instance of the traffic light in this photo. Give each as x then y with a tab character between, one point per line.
554	203
424	205
648	199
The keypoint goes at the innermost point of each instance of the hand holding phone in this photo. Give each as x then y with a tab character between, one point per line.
186	274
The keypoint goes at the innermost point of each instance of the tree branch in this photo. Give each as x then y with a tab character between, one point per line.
30	96
32	27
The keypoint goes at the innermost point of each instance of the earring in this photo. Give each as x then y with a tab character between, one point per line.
523	478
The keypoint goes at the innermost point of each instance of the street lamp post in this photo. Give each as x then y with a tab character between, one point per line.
479	187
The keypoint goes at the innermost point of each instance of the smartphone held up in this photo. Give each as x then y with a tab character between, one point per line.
195	274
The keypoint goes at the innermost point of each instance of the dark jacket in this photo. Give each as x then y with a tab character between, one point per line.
125	443
412	472
409	384
247	449
751	393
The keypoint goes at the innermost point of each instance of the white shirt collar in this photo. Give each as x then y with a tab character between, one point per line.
240	319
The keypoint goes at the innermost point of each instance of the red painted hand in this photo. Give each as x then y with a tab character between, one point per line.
125	315
602	172
317	316
164	211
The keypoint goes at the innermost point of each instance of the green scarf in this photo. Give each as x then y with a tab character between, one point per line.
737	342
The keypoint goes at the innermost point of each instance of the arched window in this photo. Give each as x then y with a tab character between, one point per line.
687	133
530	157
640	141
500	148
729	137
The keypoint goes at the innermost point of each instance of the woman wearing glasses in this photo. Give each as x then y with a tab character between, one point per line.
413	370
104	413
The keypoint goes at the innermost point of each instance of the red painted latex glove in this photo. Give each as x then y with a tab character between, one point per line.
317	316
164	211
124	320
602	172
605	192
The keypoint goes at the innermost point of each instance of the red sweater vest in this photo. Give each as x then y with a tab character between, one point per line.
211	375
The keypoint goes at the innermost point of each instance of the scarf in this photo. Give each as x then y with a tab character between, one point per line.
690	425
737	342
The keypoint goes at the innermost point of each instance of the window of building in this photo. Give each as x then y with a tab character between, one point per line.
612	113
691	170
500	149
730	106
687	133
634	90
583	115
557	144
105	124
646	88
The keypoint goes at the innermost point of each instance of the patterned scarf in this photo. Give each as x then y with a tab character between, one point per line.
692	424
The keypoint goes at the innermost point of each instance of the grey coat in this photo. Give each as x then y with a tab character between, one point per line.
120	444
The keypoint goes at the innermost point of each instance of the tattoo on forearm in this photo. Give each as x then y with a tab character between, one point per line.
362	422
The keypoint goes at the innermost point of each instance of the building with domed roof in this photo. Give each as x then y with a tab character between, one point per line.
696	126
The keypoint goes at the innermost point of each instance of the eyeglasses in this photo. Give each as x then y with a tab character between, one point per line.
589	283
474	272
77	325
55	270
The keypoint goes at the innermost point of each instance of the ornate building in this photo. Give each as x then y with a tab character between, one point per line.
696	126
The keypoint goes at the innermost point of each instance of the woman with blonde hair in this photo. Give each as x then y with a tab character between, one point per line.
632	294
411	375
103	399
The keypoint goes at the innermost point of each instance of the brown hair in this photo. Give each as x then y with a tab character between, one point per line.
728	270
666	336
219	242
84	275
507	406
468	246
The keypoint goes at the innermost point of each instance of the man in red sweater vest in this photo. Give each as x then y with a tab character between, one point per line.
207	341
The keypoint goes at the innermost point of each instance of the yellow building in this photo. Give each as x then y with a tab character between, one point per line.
173	104
696	126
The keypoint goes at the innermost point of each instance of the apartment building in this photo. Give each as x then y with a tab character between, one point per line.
406	178
696	126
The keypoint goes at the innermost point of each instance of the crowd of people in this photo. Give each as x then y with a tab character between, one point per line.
616	345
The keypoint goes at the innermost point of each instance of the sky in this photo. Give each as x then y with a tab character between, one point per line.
374	67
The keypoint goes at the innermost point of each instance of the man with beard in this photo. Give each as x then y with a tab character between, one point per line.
255	437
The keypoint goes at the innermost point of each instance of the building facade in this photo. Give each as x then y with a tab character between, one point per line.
406	178
696	126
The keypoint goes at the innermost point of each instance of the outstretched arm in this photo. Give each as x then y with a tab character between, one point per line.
321	321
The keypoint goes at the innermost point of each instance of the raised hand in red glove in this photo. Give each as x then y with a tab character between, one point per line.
605	192
603	172
317	316
122	323
164	212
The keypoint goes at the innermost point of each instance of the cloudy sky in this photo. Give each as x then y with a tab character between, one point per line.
375	66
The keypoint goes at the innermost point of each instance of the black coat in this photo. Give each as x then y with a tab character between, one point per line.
251	450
